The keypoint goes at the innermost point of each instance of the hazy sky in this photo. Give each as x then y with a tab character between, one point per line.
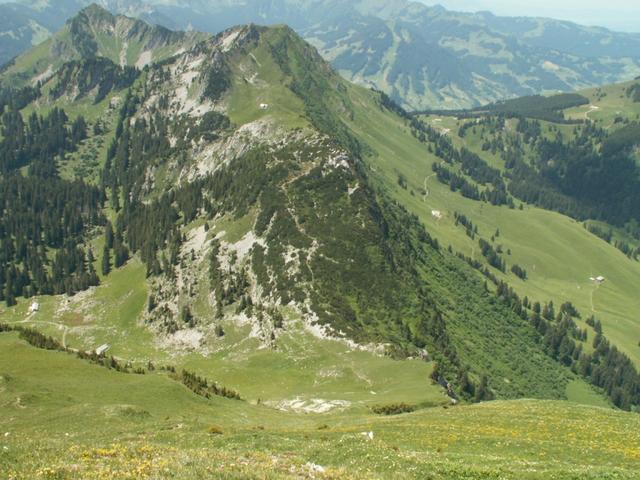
623	15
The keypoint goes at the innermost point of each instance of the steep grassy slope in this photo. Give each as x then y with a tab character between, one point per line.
89	422
559	254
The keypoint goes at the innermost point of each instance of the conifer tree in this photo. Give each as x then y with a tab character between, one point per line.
482	392
108	235
106	261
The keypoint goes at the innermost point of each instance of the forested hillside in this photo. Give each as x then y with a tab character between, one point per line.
573	166
536	151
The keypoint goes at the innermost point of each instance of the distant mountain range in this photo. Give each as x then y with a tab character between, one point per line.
423	57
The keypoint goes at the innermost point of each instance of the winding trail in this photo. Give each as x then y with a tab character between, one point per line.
592	108
426	190
64	337
60	326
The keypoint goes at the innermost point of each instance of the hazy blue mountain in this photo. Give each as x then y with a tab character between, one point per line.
423	57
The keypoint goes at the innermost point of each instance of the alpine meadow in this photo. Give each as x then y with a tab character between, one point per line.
292	239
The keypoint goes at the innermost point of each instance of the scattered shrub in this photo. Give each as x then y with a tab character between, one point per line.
393	409
215	430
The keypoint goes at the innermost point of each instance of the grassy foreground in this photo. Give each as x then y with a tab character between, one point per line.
77	420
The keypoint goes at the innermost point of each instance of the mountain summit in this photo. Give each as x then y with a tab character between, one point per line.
96	33
423	57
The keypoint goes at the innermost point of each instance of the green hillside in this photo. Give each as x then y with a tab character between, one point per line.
435	294
90	422
559	253
423	56
240	211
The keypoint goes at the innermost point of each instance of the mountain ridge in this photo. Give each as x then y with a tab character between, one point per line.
425	57
93	33
302	181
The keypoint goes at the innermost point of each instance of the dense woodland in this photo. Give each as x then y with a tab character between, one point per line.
44	218
535	106
17	99
579	178
98	74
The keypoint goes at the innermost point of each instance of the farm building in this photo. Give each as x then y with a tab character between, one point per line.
102	349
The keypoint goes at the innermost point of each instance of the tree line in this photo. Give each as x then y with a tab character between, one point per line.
606	367
197	384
